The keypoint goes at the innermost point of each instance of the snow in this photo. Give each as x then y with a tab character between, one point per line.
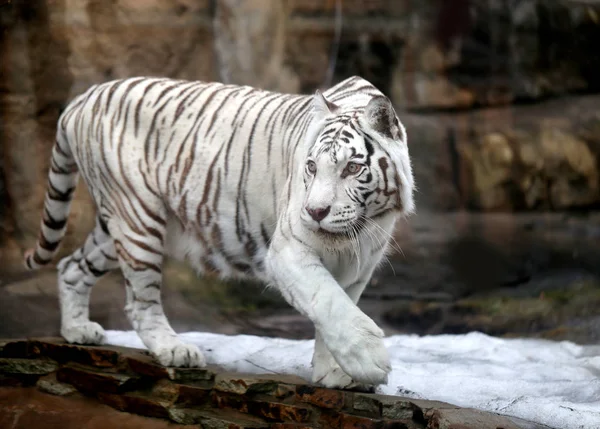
548	382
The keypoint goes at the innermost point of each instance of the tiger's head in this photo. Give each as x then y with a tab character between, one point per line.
357	169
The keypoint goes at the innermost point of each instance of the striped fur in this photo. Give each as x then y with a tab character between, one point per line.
300	192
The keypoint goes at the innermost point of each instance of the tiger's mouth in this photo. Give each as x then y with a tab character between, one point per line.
332	234
337	230
345	233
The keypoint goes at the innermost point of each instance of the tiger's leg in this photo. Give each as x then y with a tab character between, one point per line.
326	371
141	260
353	338
77	274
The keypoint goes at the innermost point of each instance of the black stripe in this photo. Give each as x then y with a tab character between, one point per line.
38	259
129	185
195	124
149	134
56	195
174	84
342	87
95	271
238	221
265	235
234	123
112	90
107	256
50	246
143	246
139	264
361	89
181	106
218	109
52	223
274	123
123	98
138	107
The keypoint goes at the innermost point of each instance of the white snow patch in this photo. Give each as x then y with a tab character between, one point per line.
548	382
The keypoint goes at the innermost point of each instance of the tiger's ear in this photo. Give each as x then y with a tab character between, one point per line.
381	117
322	107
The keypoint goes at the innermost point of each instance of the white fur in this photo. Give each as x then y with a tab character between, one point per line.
322	276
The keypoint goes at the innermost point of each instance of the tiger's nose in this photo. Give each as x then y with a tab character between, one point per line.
318	214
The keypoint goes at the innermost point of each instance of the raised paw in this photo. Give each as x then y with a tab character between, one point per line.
180	355
83	333
358	348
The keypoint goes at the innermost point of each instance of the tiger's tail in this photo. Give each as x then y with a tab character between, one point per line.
62	180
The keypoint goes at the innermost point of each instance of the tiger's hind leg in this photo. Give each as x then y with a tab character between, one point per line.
141	258
77	274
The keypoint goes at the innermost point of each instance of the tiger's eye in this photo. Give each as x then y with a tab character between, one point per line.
312	167
353	167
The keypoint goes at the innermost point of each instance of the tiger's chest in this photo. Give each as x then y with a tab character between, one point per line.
353	265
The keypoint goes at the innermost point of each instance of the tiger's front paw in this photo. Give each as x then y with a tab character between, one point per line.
83	333
327	373
359	350
180	355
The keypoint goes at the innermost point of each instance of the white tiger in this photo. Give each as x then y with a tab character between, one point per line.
300	192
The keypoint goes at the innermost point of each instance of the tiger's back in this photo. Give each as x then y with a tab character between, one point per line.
214	153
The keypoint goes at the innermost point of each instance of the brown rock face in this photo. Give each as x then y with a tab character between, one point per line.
35	80
52	51
123	38
540	157
545	157
468	54
428	56
250	43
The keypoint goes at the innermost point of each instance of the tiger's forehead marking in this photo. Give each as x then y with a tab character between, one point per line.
338	130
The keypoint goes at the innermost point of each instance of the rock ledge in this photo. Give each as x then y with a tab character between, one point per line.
48	382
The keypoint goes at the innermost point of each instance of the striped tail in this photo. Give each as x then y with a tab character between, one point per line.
62	180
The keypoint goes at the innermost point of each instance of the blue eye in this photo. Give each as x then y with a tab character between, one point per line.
353	167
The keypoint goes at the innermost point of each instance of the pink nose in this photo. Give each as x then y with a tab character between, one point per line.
318	214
